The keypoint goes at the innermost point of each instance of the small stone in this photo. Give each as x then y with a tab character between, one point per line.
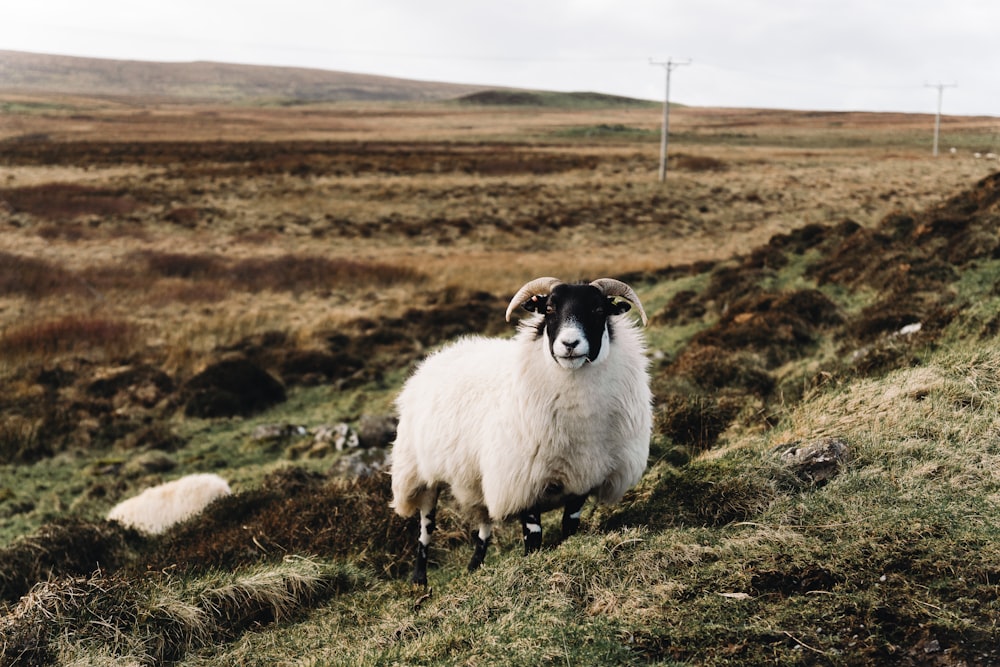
376	430
362	463
816	462
276	432
341	435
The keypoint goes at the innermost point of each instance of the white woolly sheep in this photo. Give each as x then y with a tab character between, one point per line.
519	426
159	507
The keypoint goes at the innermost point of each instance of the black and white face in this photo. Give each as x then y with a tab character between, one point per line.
575	323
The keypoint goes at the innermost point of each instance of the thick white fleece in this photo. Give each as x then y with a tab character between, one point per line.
160	507
499	420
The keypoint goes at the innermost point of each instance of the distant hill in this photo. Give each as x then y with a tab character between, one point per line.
22	72
494	97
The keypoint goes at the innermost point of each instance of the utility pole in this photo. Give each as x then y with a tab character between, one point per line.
937	118
669	66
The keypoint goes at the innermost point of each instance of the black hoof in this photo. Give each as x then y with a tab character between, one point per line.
570	527
478	552
532	542
419	576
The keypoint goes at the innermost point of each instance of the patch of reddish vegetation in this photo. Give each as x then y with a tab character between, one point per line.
67	201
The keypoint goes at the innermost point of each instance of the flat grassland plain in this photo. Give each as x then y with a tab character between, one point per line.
173	277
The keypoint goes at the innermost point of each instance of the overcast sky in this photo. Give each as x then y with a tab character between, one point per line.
875	55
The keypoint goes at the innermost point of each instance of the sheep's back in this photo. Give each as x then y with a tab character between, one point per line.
451	408
159	507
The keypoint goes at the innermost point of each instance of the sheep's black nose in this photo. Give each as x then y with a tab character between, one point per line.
571	344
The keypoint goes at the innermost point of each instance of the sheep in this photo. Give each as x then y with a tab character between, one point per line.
516	427
159	507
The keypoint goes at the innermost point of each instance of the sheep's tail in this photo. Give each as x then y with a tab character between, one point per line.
406	490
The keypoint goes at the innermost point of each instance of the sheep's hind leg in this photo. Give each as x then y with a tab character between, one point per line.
428	514
480	541
531	528
571	515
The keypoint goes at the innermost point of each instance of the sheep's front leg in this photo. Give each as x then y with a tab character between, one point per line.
428	514
480	541
571	515
531	527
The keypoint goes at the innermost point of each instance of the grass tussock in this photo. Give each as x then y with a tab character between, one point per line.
32	277
68	547
284	273
70	333
293	513
295	273
18	439
160	617
196	276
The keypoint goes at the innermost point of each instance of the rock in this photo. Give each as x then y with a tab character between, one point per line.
816	462
277	432
362	463
376	431
308	449
341	436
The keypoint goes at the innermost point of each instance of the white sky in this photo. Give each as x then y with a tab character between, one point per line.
874	55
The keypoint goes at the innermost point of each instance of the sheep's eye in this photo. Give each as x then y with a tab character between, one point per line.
599	310
549	308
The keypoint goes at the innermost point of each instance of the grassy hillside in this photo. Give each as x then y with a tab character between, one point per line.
526	98
22	72
829	295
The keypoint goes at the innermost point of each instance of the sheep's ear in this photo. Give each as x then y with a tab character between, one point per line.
619	307
536	304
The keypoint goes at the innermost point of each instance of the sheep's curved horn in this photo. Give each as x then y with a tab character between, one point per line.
612	287
536	287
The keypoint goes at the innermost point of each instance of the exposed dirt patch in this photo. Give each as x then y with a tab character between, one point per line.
297	158
777	326
795	580
909	260
231	387
292	512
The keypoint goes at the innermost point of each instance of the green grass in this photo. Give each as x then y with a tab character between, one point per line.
723	561
26	108
724	558
965	141
540	98
612	132
901	550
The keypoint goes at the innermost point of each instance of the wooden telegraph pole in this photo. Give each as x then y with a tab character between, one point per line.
937	117
669	66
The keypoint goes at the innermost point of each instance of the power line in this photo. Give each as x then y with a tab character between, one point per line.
937	117
669	66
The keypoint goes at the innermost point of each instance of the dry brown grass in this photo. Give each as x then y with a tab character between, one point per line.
296	263
70	333
65	201
220	241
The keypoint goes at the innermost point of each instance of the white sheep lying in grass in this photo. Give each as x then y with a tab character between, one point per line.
159	507
516	427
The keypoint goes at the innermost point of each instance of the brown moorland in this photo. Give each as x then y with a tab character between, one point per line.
158	259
